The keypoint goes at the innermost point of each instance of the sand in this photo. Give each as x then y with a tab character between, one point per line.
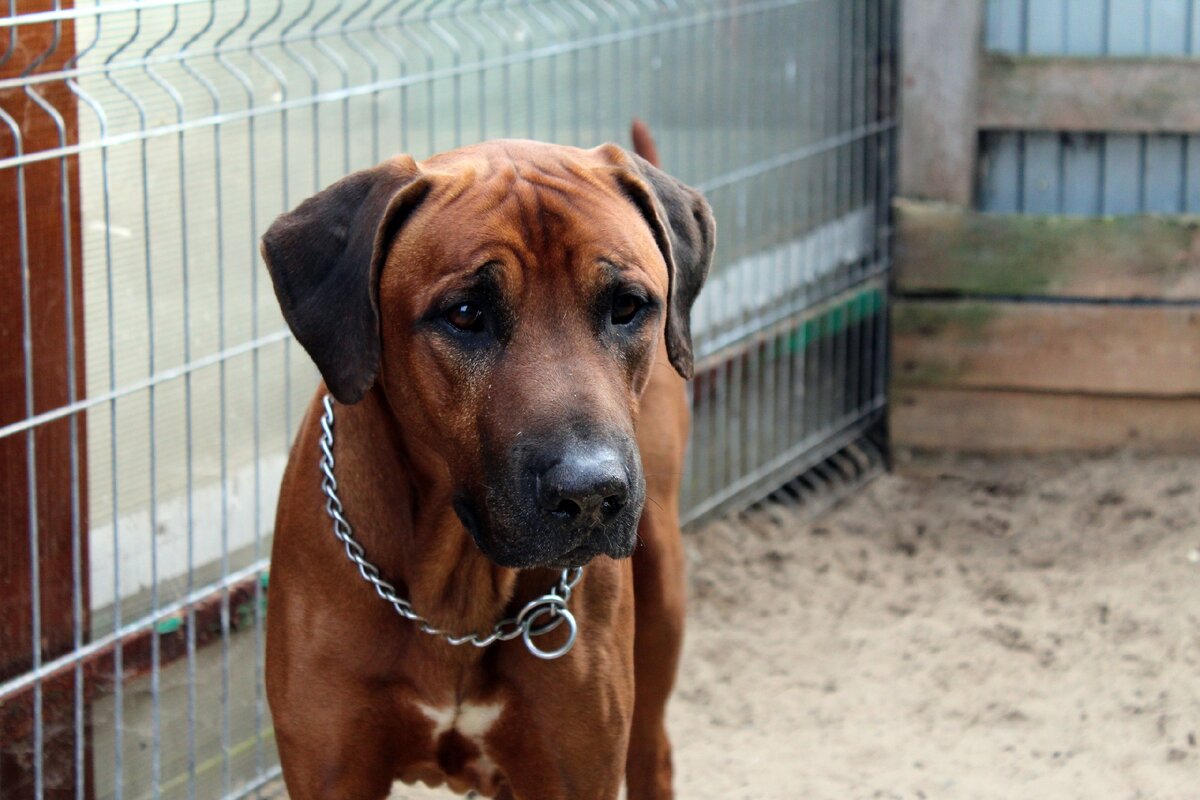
969	629
961	629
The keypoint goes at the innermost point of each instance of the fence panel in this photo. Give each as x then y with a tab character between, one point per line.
151	389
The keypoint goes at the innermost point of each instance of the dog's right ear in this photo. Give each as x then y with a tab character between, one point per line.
683	227
325	257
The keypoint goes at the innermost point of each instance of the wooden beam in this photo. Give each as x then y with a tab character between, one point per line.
1029	422
938	142
940	248
1117	95
41	200
1048	347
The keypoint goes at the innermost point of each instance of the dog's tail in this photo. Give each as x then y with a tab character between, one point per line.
643	142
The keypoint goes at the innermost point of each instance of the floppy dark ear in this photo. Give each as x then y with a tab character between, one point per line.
686	233
324	258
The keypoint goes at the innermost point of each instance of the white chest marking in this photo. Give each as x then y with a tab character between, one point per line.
472	720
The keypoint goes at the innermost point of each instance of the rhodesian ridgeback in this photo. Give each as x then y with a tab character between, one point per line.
503	337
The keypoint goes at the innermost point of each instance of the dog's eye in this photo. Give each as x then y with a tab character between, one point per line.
466	317
625	307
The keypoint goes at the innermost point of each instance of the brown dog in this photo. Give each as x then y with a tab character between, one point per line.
498	325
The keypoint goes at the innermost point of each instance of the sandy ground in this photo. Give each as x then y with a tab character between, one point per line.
960	629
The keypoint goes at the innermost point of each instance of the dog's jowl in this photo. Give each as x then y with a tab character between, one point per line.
477	577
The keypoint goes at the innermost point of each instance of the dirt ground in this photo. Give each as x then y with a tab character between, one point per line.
961	629
976	629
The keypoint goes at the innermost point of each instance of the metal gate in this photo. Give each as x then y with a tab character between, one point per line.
150	390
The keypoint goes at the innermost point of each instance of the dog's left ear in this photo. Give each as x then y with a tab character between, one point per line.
683	226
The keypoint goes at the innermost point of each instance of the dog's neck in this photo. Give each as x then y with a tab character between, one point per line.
401	510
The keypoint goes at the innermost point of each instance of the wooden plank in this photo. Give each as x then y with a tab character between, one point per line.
944	249
938	141
1048	347
51	216
1118	95
969	420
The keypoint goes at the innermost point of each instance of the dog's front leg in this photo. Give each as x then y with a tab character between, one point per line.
334	756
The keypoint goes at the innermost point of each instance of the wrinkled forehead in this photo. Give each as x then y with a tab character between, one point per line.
546	214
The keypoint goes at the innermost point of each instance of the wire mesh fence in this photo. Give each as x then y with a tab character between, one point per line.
150	388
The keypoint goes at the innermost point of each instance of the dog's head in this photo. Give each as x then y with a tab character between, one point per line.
508	300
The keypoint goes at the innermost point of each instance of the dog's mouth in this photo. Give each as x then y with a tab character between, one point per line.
578	557
524	546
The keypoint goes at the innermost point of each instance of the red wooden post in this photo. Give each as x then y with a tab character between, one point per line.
41	198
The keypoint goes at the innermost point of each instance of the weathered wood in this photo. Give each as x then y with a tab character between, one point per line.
1050	347
938	142
1118	95
942	248
1028	422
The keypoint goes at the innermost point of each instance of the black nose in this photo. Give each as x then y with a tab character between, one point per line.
584	487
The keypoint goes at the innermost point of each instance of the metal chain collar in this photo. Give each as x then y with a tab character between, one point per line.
525	624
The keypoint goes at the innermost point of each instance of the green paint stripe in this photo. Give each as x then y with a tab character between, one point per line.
861	305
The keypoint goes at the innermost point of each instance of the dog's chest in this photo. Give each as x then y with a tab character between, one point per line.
457	742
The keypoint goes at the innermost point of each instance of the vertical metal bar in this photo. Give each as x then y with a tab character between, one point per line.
875	192
1065	13
223	476
1189	35
790	268
714	459
260	705
1106	28
888	36
1023	21
827	126
576	92
858	56
469	28
1021	169
700	124
389	44
339	64
801	212
551	67
313	83
456	62
634	20
750	225
155	654
787	137
506	84
181	156
617	61
77	610
114	462
1147	25
597	111
373	70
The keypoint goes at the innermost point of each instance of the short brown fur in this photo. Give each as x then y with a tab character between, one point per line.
347	678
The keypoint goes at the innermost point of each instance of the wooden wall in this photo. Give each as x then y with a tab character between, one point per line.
1024	332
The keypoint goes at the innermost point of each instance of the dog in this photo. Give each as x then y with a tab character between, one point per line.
503	337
